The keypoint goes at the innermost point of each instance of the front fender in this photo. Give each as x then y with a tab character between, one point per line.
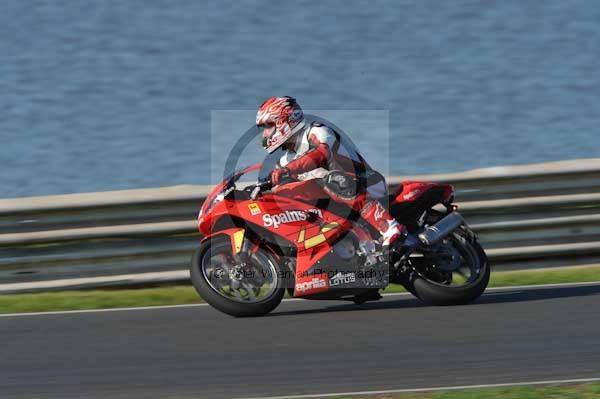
238	235
278	245
235	235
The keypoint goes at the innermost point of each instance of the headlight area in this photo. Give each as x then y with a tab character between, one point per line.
210	202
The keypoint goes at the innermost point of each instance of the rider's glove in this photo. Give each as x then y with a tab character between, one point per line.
278	174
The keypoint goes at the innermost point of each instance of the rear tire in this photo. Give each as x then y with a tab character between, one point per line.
443	295
222	303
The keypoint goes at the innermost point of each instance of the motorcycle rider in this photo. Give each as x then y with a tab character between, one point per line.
309	147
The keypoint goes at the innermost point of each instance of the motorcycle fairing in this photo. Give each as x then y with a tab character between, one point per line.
412	198
298	229
310	231
413	191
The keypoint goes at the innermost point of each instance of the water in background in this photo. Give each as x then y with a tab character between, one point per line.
118	94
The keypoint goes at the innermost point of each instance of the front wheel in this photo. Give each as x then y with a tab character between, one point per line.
455	272
239	287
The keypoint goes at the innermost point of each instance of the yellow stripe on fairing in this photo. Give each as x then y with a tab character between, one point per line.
316	240
329	226
238	239
301	236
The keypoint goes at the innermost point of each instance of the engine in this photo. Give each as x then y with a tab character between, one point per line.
346	247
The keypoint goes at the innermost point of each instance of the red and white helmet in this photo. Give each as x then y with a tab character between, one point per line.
278	119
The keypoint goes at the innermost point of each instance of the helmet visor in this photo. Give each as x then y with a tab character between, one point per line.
266	131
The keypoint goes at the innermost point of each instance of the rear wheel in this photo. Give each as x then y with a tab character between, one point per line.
454	272
239	287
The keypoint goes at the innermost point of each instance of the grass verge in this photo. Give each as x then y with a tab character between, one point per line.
576	391
177	295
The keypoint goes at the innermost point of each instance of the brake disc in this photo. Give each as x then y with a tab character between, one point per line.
448	258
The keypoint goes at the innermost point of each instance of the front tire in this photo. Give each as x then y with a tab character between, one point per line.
255	302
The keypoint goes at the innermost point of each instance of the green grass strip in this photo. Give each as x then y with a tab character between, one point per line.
176	295
577	391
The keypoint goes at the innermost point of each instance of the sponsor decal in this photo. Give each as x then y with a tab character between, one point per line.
311	284
287	217
412	194
379	211
342	278
254	209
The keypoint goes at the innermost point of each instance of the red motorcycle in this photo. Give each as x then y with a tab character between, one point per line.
258	244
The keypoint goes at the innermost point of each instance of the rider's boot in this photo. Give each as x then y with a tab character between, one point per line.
377	216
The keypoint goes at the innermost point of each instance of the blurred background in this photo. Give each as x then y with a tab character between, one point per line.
109	95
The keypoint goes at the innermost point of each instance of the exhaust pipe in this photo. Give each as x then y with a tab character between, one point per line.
434	234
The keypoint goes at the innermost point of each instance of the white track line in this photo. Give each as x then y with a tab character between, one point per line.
433	389
385	295
533	286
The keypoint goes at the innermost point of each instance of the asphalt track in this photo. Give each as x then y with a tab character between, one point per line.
304	347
